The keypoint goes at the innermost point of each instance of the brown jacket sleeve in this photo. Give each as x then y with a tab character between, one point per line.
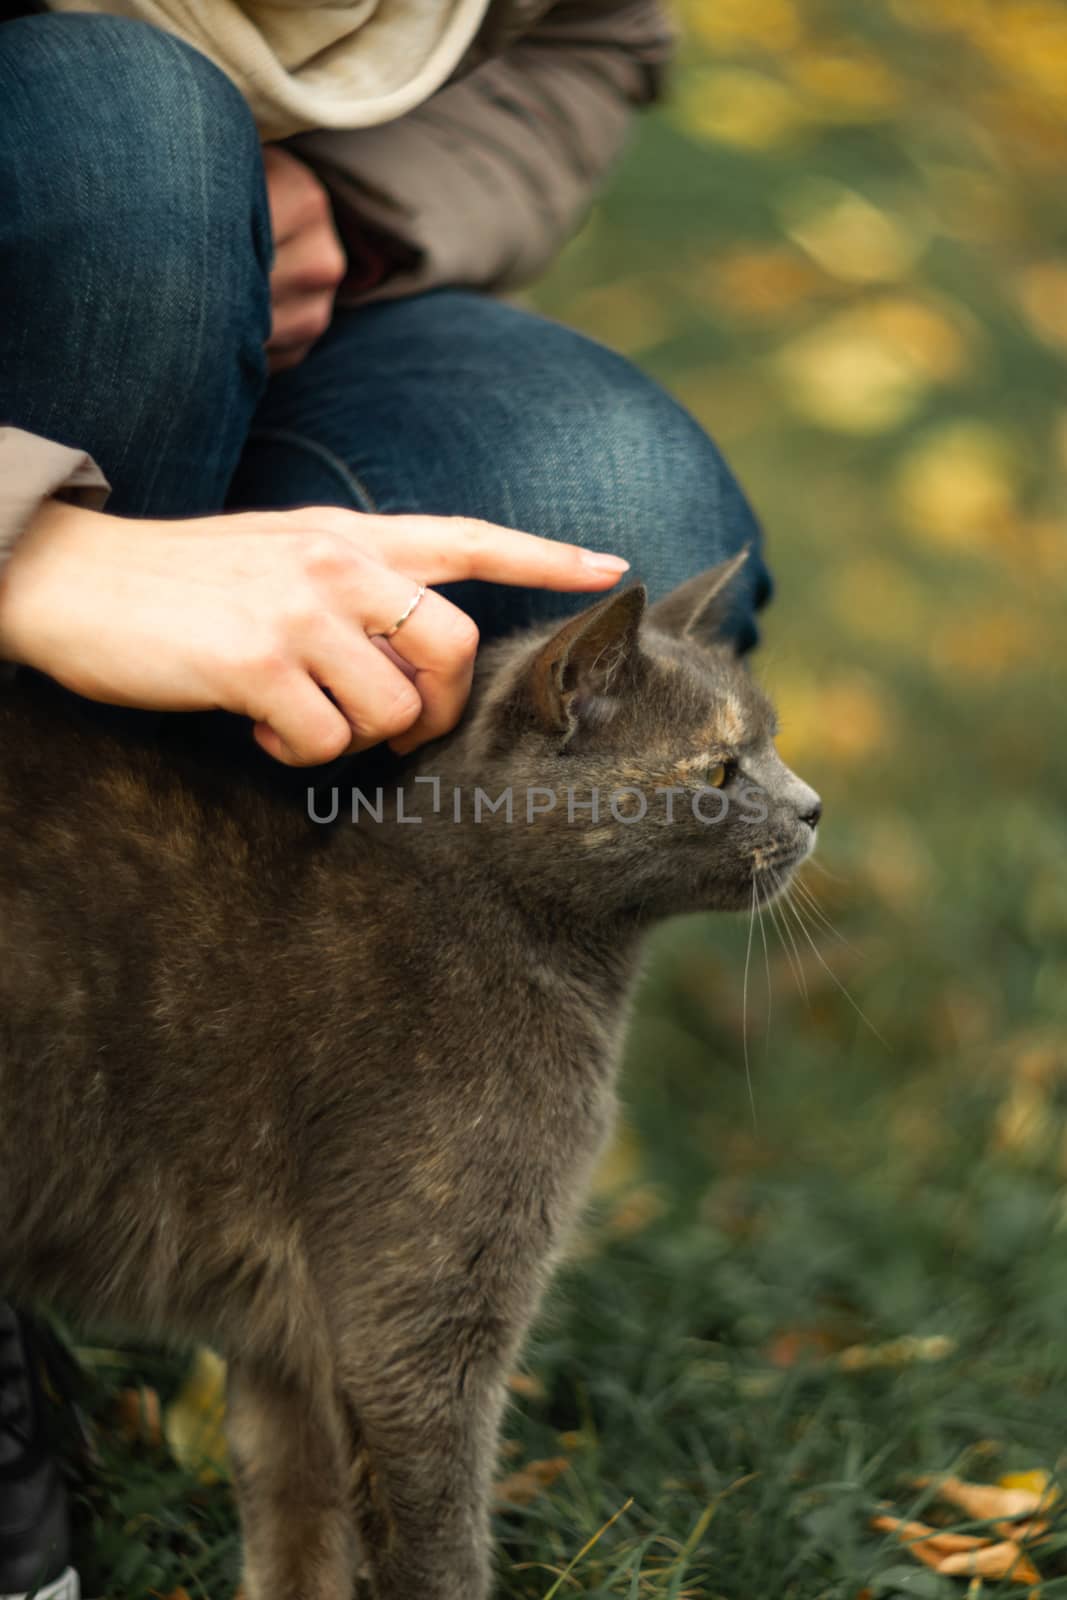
31	470
486	181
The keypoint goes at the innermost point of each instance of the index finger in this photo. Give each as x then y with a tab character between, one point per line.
446	549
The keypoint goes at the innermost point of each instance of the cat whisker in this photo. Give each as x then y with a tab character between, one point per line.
744	1004
781	941
766	965
794	957
820	866
807	898
857	1008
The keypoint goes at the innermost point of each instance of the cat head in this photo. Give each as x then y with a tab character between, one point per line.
639	757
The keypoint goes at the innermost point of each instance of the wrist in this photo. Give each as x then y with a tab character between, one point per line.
45	550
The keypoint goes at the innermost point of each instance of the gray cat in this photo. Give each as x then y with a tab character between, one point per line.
327	1097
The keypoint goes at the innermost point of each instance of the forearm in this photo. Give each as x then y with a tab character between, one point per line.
33	470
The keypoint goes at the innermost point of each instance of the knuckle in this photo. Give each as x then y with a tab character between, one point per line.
312	197
318	199
296	615
398	713
324	554
310	325
462	634
334	263
472	534
330	743
387	715
265	664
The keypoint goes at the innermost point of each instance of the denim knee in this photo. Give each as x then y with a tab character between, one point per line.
624	465
657	488
135	243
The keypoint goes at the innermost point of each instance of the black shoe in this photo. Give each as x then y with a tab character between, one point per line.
34	1526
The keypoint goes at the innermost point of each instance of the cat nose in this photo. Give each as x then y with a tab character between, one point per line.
813	813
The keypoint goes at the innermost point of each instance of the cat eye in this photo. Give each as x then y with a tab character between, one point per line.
716	776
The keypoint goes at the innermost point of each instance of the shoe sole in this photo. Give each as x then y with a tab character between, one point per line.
65	1588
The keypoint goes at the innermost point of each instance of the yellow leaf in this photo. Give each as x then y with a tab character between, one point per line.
727	24
849	86
193	1424
957	486
1037	1480
620	1166
733	105
903	1352
520	1487
849	378
986	643
526	1385
926	1544
929	334
1041	290
1021	1127
1029	39
846	719
758	283
849	236
636	1211
986	1500
995	1561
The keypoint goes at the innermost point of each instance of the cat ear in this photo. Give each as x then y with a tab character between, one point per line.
697	607
586	664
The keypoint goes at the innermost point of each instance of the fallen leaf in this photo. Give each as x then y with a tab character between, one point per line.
958	485
759	283
987	643
850	87
194	1421
994	1561
736	106
986	1500
848	235
138	1417
848	376
520	1487
526	1385
1040	1063
926	1544
896	1353
729	24
1042	293
799	1344
848	718
636	1211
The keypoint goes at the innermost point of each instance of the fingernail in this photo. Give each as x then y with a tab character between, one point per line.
597	561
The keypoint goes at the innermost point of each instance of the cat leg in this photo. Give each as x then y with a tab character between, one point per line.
291	1459
422	1478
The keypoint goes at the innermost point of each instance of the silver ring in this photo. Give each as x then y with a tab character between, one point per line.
400	621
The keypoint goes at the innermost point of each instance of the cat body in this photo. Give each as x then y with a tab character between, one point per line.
327	1095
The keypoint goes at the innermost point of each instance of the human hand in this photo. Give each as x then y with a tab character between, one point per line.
309	259
262	612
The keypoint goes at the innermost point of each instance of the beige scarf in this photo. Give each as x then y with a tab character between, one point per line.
305	64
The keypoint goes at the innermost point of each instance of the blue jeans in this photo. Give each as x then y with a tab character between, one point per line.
135	248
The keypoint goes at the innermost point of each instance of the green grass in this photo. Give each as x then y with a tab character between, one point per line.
911	1188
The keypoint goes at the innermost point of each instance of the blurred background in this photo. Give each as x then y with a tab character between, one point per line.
842	242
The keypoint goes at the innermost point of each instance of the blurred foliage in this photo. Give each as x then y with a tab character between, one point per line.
842	242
